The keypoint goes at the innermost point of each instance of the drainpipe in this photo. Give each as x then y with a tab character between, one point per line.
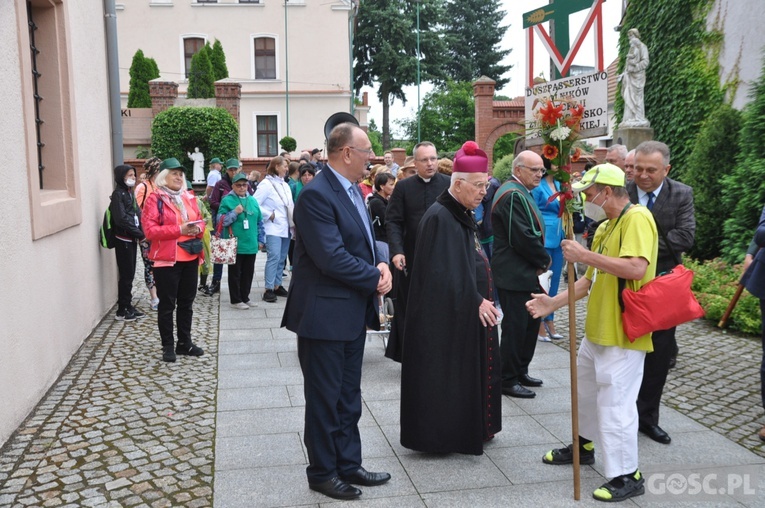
287	66
351	25
112	60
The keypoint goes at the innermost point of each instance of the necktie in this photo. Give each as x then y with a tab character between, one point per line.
358	202
649	205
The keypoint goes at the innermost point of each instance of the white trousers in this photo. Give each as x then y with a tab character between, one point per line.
609	380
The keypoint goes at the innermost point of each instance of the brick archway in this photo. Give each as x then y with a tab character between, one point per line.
494	119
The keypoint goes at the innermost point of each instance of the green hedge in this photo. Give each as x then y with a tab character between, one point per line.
744	188
713	157
178	130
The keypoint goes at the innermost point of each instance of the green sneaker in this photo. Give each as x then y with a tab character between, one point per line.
565	455
621	488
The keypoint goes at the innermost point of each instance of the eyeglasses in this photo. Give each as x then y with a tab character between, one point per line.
478	185
533	170
368	152
427	159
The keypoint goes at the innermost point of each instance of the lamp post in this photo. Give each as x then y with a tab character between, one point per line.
418	68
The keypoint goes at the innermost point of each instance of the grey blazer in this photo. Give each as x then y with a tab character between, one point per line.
673	212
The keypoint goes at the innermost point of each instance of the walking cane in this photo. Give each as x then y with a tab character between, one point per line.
735	299
731	306
571	269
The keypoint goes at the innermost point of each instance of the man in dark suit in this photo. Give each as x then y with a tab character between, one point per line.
410	200
518	259
672	205
338	273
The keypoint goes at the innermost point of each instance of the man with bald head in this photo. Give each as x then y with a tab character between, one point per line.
519	258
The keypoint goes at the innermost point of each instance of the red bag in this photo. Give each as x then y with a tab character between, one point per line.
662	303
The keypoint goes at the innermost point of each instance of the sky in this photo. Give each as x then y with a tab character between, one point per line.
515	38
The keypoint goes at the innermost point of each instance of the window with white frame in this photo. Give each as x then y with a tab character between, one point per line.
267	132
265	57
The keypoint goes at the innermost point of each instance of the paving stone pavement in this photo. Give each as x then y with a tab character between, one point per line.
122	428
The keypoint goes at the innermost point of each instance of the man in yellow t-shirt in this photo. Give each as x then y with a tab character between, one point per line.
610	367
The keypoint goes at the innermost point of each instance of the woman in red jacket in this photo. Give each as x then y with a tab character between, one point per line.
174	226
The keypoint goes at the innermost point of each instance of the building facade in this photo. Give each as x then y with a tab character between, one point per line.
57	282
291	57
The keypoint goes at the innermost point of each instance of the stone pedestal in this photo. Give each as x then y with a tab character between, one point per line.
632	136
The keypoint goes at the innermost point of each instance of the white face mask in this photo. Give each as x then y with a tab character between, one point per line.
593	211
130	182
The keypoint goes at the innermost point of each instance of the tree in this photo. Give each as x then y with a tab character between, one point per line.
505	145
473	36
201	77
385	49
375	137
154	68
744	189
142	70
712	158
447	117
218	61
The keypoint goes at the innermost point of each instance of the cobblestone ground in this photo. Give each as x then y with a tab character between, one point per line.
716	381
121	427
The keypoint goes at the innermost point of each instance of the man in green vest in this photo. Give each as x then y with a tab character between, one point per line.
519	258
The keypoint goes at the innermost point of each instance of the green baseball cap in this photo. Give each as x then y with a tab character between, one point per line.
171	163
232	164
604	174
238	177
216	161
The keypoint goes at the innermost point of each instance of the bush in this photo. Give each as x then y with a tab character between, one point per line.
201	77
142	70
503	168
716	144
288	144
176	131
744	188
714	285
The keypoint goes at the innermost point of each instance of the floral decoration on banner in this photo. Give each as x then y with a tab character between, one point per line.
558	122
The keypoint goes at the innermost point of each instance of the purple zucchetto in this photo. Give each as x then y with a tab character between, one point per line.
470	159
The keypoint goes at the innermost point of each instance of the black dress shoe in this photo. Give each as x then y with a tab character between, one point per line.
656	433
365	478
518	391
527	380
336	489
